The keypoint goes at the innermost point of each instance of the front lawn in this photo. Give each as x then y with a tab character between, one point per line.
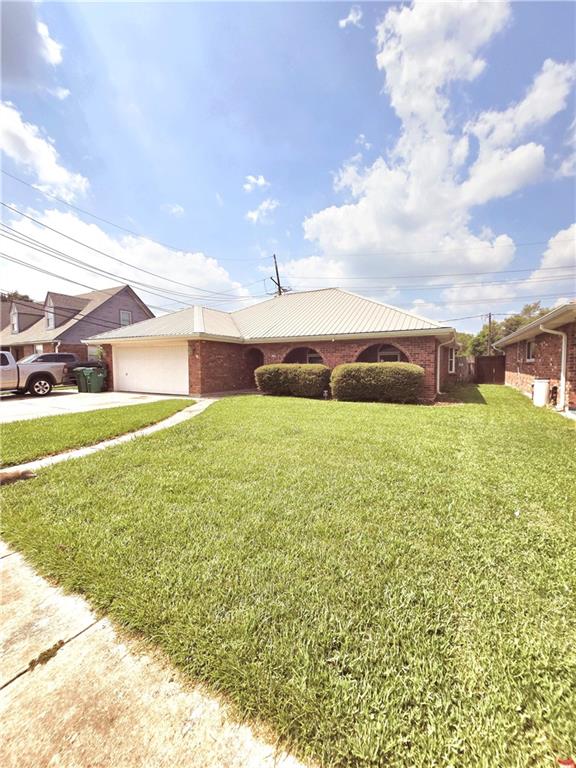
22	441
383	585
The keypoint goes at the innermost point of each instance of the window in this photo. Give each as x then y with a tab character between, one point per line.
14	320
451	360
4	359
530	351
314	358
125	317
56	357
38	348
387	354
93	353
50	320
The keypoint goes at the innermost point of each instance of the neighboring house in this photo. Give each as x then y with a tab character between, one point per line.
62	321
202	351
544	349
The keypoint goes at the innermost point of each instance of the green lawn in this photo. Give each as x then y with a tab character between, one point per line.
383	585
22	441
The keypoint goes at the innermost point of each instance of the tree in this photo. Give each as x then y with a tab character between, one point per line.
9	296
464	339
529	312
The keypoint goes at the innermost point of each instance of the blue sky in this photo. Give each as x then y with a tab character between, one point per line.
413	140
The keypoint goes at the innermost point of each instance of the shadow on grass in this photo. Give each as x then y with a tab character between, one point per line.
463	393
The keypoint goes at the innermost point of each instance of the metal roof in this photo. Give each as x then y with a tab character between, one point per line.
324	312
557	317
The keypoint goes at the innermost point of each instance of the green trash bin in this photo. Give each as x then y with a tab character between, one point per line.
95	379
81	379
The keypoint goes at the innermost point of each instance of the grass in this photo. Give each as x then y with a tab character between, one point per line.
384	585
22	441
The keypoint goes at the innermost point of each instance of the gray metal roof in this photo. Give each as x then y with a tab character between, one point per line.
324	312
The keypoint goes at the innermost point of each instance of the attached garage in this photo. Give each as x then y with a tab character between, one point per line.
161	370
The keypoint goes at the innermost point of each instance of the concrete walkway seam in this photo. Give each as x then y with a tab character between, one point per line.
76	453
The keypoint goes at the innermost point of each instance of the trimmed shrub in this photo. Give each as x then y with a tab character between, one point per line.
299	380
377	382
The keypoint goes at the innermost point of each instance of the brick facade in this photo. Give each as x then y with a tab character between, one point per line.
520	373
216	366
219	367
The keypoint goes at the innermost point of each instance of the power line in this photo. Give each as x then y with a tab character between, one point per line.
107	221
47	250
103	253
94	320
103	290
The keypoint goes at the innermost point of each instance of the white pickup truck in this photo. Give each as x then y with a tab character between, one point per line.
38	378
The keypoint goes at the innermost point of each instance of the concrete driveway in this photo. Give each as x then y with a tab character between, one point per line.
20	407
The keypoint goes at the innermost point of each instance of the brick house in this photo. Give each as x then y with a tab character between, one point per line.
545	349
62	321
201	351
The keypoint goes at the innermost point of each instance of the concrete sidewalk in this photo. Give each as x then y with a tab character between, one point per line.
74	695
14	407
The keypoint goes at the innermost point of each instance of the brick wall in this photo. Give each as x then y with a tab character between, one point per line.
520	373
226	367
215	366
81	350
107	358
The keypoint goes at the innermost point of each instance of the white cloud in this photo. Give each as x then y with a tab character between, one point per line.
410	211
193	268
252	182
547	96
174	209
29	53
363	142
560	253
60	93
568	165
353	19
51	51
24	144
219	199
262	212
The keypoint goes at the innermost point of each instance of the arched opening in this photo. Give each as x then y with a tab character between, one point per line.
382	353
303	355
254	358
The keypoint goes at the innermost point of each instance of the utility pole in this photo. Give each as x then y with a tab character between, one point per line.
277	283
490	333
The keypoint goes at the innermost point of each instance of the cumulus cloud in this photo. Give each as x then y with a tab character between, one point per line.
410	211
193	268
174	209
263	211
363	142
25	144
60	93
254	182
50	50
353	19
29	52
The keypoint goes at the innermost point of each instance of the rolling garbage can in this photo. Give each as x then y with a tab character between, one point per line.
81	379
95	379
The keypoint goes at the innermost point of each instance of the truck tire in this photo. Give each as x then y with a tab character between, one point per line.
40	385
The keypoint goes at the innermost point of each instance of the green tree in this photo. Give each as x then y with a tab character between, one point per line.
479	343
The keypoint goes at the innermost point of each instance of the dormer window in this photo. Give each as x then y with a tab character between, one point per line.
125	317
50	320
14	320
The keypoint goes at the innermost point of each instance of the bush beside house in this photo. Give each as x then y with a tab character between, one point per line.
378	382
298	380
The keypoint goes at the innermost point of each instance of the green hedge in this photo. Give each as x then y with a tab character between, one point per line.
377	382
299	380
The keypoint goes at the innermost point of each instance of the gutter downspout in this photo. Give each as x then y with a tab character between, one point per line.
438	362
562	399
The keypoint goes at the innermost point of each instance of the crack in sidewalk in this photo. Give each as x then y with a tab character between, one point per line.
45	656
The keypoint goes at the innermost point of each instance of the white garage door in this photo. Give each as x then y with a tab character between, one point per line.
163	370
